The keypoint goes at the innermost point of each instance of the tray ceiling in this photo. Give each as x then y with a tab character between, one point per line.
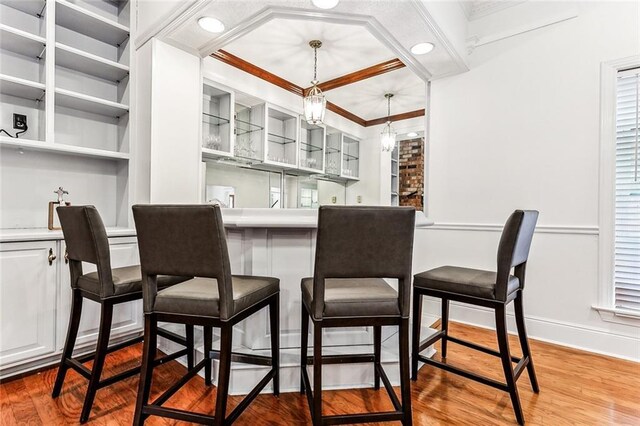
274	36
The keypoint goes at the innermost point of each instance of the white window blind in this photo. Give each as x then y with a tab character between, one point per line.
627	200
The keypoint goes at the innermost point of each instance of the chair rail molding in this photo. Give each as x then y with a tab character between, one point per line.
540	229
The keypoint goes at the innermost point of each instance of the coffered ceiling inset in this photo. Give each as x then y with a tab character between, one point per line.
281	46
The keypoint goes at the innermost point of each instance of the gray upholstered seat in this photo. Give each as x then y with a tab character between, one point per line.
354	297
200	296
470	282
125	280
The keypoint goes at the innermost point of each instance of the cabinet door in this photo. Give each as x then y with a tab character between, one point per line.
27	301
127	317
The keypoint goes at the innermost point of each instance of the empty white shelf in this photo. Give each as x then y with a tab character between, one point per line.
21	42
56	148
70	57
32	7
83	21
83	102
20	87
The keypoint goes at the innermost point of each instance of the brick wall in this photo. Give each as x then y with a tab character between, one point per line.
411	163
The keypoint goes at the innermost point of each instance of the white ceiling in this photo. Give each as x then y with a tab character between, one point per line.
281	46
274	35
366	98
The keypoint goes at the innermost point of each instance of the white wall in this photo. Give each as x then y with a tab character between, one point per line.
521	130
169	124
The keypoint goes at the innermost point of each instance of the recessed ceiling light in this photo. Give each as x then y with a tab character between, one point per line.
210	24
325	4
422	48
412	134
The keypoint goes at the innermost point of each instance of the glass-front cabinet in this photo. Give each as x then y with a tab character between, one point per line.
395	177
217	121
312	147
350	157
249	132
281	141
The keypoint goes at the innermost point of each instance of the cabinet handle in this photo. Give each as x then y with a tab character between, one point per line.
66	256
51	257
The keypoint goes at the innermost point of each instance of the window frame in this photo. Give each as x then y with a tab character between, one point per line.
606	241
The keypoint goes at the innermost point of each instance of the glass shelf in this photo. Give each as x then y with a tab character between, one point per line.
331	150
309	147
349	157
244	127
214	119
282	140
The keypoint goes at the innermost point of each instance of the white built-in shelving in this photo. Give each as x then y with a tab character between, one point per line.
66	65
217	121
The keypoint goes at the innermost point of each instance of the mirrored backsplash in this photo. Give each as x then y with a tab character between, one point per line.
244	187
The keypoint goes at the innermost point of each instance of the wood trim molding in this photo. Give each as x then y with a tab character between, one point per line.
363	74
396	117
265	75
346	114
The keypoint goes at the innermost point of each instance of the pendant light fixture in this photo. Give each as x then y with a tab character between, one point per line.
314	103
388	135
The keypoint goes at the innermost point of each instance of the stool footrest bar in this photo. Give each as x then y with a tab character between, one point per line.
250	397
243	358
76	365
431	340
480	348
464	373
343	359
177	385
116	347
387	385
173	413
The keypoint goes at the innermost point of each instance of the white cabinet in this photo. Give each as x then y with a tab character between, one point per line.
35	301
312	147
27	300
127	317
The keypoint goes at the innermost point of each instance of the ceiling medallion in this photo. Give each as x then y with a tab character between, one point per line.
314	103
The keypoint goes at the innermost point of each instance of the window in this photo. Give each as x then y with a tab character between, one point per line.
626	268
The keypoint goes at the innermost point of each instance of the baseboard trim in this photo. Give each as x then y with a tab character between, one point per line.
559	333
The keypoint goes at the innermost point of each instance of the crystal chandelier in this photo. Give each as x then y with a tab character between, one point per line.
388	135
314	103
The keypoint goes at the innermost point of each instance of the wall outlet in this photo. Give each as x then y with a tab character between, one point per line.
19	121
359	199
334	199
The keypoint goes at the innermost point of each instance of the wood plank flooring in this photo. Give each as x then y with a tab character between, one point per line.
576	388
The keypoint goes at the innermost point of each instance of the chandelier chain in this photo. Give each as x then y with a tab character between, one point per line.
315	63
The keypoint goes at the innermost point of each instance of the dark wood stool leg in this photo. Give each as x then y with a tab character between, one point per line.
224	374
417	320
72	334
524	342
274	329
316	412
444	322
377	347
190	345
405	384
208	337
304	344
146	371
106	315
505	355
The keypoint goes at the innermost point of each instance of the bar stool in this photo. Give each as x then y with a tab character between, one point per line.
488	289
356	248
190	240
86	240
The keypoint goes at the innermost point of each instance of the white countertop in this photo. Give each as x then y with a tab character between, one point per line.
285	218
233	218
44	234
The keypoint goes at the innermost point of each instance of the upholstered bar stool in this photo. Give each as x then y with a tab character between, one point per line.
356	248
86	240
488	289
190	240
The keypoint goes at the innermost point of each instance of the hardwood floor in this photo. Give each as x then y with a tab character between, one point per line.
575	388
